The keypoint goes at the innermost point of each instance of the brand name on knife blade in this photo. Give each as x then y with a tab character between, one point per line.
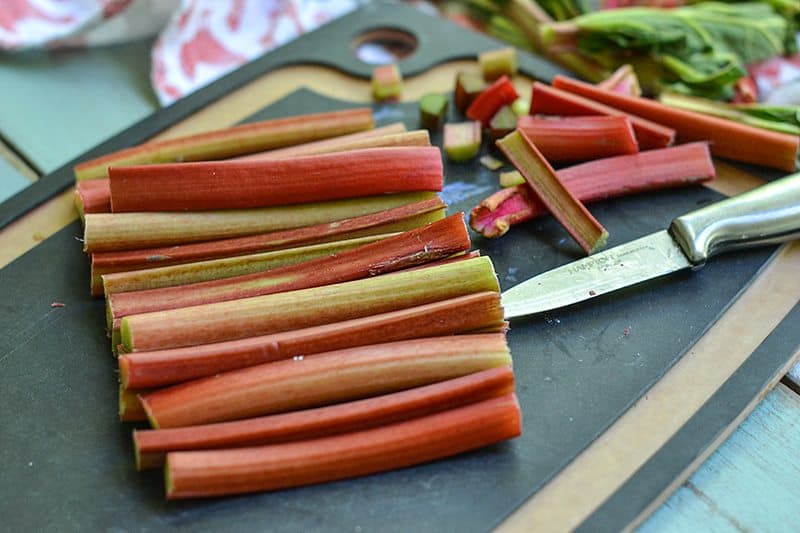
603	262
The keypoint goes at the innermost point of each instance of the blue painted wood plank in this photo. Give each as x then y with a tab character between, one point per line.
11	180
751	483
794	374
58	104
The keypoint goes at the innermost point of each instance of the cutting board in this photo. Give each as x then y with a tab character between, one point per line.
69	463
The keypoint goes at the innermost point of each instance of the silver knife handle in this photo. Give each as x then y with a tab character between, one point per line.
768	214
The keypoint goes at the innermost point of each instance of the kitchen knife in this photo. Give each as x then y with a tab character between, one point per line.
766	215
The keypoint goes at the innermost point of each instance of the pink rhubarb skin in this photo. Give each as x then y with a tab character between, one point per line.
598	180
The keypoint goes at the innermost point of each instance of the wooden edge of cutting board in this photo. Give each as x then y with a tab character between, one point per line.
608	462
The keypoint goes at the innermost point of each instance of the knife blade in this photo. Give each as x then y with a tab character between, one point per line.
766	215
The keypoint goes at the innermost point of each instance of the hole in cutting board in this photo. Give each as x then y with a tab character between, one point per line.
381	46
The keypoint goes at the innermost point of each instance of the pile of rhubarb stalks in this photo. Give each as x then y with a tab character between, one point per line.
289	304
605	141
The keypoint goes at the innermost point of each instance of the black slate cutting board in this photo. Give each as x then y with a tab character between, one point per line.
68	463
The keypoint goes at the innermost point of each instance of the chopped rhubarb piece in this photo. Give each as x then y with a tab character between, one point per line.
247	184
273	313
195	474
106	232
237	140
432	111
553	101
521	107
735	141
489	102
492	163
464	314
570	139
387	83
418	246
542	179
93	196
511	179
324	379
130	408
676	166
462	140
152	445
497	63
503	122
468	87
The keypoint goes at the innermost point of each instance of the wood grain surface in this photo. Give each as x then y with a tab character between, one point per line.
596	473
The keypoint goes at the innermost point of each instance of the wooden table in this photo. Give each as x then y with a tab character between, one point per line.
751	482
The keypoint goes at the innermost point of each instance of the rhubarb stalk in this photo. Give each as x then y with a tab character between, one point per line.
571	139
237	140
285	311
732	140
542	179
324	379
249	184
552	101
464	314
402	218
212	473
498	94
418	246
105	232
676	166
152	445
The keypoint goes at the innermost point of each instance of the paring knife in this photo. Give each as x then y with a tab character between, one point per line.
767	215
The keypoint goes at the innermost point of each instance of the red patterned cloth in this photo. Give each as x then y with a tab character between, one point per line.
199	40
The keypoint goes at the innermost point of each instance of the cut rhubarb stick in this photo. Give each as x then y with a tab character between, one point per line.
552	101
194	474
431	242
229	267
462	140
273	313
130	408
152	445
93	196
432	111
503	122
572	139
731	140
324	379
247	184
105	232
387	83
489	102
497	63
237	140
402	218
341	143
544	182
676	166
511	178
468	87
459	315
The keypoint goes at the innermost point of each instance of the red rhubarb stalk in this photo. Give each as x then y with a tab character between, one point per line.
152	445
130	408
544	182
324	379
732	140
237	140
552	101
402	218
676	166
498	94
453	316
243	184
572	139
422	245
94	196
195	474
273	313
